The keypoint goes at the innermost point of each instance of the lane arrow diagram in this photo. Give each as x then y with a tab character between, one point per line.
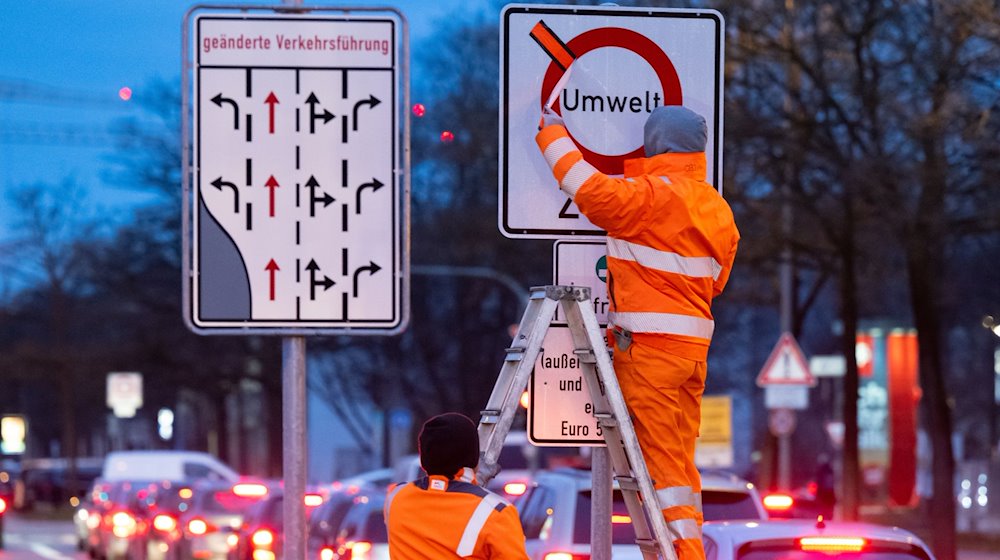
372	102
272	267
272	184
372	268
326	199
271	101
326	282
219	183
326	115
219	100
374	185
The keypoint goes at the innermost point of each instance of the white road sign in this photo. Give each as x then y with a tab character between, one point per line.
560	411
621	63
297	211
583	263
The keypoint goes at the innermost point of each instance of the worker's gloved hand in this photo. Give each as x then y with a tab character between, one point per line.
549	118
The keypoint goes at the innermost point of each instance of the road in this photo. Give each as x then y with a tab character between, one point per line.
31	539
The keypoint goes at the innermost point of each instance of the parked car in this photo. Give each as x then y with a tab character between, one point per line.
363	534
209	526
800	539
555	512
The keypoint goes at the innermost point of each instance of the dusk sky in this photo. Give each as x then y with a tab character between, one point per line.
63	64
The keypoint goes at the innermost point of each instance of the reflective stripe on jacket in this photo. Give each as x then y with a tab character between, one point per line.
438	518
671	240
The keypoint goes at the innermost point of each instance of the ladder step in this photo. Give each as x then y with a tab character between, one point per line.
514	354
489	416
586	356
606	420
628	483
648	545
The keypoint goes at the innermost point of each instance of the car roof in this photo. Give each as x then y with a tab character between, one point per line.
740	532
710	481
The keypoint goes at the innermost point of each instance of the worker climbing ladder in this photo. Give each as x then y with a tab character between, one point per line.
652	533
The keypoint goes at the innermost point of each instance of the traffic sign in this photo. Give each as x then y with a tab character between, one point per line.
297	211
613	67
560	411
583	263
786	365
781	421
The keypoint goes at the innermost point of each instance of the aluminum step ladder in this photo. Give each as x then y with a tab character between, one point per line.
628	465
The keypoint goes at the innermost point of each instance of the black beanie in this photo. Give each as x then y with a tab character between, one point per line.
448	443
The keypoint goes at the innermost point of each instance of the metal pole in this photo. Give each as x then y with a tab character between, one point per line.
293	413
600	510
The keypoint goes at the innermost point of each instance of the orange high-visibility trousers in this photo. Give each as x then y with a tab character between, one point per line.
663	393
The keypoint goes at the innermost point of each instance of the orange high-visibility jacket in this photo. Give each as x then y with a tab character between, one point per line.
671	241
438	518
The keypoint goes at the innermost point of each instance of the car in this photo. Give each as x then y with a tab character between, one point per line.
175	466
261	535
325	521
209	526
159	525
363	534
800	539
120	505
555	512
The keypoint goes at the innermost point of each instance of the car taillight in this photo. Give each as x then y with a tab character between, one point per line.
565	556
326	553
164	523
262	538
618	519
232	540
778	502
250	490
360	550
312	500
263	555
515	488
199	527
122	524
832	544
3	506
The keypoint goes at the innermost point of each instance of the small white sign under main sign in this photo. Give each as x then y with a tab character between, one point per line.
621	64
828	366
585	264
795	397
560	410
124	393
296	201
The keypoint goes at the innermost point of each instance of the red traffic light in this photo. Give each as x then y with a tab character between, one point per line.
419	110
447	136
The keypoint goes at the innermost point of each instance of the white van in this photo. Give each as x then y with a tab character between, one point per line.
165	465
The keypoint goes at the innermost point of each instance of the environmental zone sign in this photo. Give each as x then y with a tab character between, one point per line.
603	69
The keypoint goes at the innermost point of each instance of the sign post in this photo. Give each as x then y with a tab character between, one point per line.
786	379
296	188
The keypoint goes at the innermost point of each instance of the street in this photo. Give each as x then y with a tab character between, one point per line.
32	539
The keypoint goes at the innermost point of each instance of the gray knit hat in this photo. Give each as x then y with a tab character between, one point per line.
674	129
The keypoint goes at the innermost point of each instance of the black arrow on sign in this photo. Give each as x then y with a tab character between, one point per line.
326	115
312	184
372	268
375	185
326	282
219	100
372	102
219	183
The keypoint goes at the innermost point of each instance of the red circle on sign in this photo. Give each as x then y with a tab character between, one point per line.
629	40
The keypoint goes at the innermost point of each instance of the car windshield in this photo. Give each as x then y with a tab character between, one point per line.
721	505
621	524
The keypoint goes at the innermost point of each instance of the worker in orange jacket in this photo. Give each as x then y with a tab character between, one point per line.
671	242
446	514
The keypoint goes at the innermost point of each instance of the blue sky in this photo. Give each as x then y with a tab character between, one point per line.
63	64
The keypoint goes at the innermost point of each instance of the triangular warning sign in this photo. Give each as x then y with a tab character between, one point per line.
786	365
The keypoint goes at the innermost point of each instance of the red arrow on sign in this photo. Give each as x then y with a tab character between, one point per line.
272	184
272	267
271	100
786	365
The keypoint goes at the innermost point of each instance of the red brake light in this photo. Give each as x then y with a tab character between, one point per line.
3	506
778	502
832	544
326	553
565	556
164	523
515	488
250	490
123	524
199	527
262	538
313	500
360	550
